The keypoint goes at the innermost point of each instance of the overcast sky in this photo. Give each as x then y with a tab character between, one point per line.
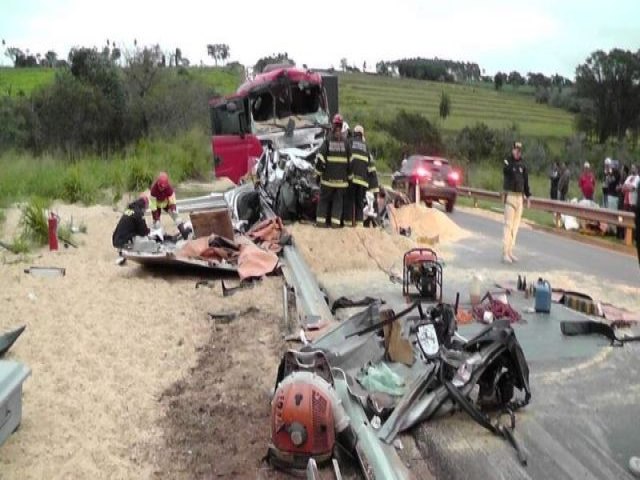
526	35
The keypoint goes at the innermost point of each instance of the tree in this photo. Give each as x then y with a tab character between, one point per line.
51	57
274	58
445	106
218	51
343	64
15	55
612	82
382	68
515	79
499	79
142	73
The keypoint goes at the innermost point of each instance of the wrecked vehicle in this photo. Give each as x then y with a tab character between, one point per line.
396	380
283	107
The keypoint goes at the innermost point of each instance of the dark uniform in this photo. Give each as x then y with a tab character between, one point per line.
332	164
131	224
358	182
516	176
515	185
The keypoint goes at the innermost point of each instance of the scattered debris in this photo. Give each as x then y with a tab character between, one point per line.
589	327
46	271
9	338
498	308
344	302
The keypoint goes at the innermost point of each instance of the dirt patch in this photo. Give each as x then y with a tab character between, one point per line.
128	372
216	422
102	342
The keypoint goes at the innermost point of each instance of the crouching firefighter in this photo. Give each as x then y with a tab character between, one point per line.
131	224
163	197
359	164
332	164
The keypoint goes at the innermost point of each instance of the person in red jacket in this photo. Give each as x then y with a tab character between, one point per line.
587	182
163	197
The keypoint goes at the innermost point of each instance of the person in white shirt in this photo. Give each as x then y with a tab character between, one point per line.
630	189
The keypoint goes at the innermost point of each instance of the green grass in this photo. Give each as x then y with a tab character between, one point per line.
93	179
372	97
18	81
223	80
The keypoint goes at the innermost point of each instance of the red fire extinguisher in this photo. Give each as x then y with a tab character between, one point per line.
53	231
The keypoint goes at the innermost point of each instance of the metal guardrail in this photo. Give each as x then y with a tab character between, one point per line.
618	218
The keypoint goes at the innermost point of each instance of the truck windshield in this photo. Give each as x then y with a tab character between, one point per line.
301	102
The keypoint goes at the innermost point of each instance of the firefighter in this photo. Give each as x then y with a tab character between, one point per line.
131	224
163	197
332	164
359	163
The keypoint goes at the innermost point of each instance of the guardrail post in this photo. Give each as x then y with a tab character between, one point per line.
475	202
628	236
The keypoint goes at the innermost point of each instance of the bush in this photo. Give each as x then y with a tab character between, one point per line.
415	132
139	176
476	142
78	186
33	222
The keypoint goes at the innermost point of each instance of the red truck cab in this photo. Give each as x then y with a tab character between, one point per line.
284	106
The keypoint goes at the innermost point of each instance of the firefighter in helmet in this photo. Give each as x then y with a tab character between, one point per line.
359	163
163	197
332	164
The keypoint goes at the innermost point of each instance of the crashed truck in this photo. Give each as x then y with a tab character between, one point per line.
271	129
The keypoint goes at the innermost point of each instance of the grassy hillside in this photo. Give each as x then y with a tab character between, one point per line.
371	96
25	80
18	81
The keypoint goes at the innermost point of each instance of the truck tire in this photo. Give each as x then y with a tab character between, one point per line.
449	206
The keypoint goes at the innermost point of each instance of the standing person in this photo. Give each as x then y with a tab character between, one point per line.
131	224
359	162
630	190
554	176
610	184
332	164
587	182
515	186
163	197
563	182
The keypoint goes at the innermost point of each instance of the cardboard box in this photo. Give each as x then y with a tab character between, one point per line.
209	222
12	375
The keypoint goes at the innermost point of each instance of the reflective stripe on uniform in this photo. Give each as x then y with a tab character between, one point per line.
360	181
372	169
154	204
334	183
358	156
334	159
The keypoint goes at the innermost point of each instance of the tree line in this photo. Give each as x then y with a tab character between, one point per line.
103	101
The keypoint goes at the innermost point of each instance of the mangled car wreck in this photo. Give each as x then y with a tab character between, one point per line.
272	128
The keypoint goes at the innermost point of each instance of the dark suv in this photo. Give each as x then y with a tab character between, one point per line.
436	179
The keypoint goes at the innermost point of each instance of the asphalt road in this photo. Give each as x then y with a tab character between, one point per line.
584	418
542	250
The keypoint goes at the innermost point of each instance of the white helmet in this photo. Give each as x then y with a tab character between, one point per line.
607	161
